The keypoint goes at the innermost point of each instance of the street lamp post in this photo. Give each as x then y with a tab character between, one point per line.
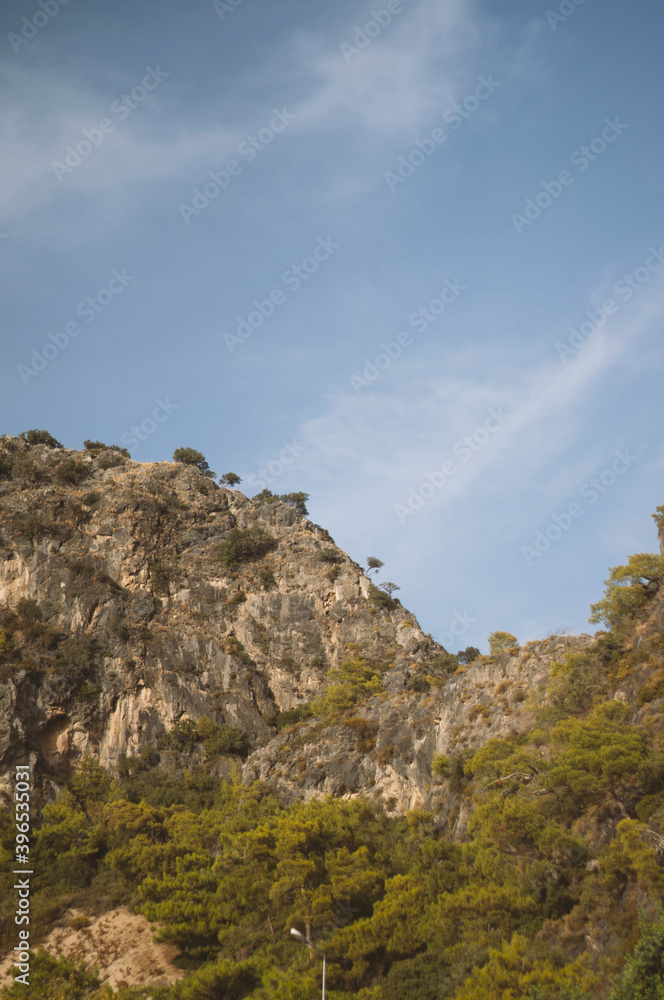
301	937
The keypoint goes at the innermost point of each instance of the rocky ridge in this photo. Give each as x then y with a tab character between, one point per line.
134	624
145	624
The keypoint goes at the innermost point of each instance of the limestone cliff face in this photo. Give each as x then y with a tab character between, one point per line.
387	749
118	619
146	626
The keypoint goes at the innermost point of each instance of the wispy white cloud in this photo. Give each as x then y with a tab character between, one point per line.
382	442
41	115
417	64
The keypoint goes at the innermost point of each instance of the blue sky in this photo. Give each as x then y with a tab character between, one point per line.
464	183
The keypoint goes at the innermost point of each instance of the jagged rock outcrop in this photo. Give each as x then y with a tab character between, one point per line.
139	624
121	619
387	749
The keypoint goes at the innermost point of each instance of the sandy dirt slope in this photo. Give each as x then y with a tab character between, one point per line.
119	943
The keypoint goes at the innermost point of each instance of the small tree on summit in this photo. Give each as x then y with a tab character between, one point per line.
297	500
189	456
40	437
373	564
230	479
468	654
389	587
499	642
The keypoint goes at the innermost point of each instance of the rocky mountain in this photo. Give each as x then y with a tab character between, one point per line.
233	730
136	622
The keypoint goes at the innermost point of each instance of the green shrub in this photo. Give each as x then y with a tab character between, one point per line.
629	589
650	691
40	437
352	682
366	731
183	736
267	578
265	496
233	647
95	446
25	470
292	716
244	545
28	610
160	577
90	499
643	976
440	765
34	525
75	658
329	555
226	741
468	654
189	456
443	665
379	599
457	769
297	500
119	628
57	979
71	472
90	782
288	664
502	642
111	461
418	683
